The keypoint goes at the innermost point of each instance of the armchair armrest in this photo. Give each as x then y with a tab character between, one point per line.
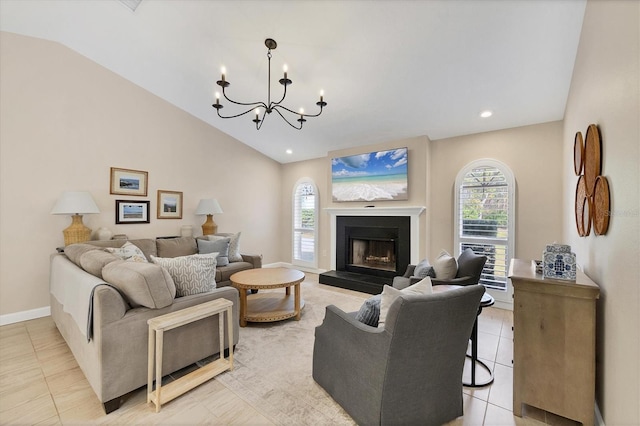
409	272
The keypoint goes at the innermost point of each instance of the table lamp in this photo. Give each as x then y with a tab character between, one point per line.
75	203
209	206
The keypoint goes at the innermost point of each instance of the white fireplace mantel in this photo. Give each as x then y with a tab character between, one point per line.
413	212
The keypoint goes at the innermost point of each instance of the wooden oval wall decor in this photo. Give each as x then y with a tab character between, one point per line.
578	153
601	206
593	200
583	212
592	157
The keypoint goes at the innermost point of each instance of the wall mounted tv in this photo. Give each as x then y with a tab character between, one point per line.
375	176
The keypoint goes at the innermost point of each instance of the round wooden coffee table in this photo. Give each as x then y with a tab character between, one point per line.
268	306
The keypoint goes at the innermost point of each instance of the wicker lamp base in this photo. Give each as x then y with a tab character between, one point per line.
77	232
209	227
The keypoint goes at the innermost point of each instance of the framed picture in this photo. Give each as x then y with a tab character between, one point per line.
131	211
129	182
169	204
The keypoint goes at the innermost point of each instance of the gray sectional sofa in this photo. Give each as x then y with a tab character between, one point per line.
105	324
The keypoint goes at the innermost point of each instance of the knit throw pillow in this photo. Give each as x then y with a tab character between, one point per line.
192	274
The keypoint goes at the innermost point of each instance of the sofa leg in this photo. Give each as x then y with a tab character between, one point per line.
226	351
111	406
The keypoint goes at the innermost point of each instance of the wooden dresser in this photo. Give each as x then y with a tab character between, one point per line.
554	342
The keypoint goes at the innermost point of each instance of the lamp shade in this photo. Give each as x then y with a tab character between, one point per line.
75	202
208	206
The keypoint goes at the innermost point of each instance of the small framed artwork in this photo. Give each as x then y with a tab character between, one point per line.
169	204
131	211
129	182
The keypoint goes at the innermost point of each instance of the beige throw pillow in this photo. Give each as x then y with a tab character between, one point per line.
192	274
445	266
390	294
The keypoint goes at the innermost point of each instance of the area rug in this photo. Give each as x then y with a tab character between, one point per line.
273	362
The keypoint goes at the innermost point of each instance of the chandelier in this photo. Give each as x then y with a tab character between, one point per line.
268	107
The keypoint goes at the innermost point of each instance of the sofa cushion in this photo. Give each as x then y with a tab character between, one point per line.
74	251
192	274
147	245
94	260
220	246
143	284
390	294
224	273
234	245
369	312
129	252
445	266
175	247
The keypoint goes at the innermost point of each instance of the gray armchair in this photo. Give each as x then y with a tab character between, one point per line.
470	267
410	371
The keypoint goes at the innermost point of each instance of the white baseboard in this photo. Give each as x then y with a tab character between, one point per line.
292	266
25	315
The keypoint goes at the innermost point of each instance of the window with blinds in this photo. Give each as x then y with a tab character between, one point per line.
304	224
484	220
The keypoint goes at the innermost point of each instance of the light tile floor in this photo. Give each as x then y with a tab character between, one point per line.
41	383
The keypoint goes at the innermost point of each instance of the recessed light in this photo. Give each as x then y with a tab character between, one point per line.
289	151
486	114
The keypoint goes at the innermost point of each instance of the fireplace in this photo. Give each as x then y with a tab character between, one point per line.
369	252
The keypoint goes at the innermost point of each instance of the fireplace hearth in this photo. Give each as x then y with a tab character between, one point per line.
370	251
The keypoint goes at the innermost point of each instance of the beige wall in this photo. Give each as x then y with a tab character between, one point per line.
534	155
320	171
605	91
66	121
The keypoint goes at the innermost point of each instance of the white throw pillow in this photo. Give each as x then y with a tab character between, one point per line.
192	274
445	266
129	252
390	294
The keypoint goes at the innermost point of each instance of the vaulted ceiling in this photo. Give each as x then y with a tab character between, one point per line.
389	69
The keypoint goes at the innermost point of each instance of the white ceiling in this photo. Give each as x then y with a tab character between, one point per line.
389	69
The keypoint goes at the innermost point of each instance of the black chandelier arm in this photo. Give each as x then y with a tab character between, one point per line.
296	113
251	104
260	104
285	119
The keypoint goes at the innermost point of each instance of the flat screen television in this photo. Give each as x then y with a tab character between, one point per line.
375	176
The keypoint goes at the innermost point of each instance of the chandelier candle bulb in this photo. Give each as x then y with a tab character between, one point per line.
223	71
285	69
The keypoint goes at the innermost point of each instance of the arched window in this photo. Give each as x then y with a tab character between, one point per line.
305	223
485	220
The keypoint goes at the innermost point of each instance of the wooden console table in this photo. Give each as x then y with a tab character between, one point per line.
157	327
554	342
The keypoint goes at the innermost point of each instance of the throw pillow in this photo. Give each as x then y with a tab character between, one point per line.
390	294
128	252
424	269
174	247
445	266
192	274
220	246
234	245
143	284
369	312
